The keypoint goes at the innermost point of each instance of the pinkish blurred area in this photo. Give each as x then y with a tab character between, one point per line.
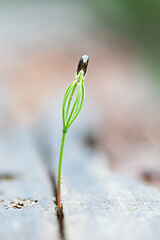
40	45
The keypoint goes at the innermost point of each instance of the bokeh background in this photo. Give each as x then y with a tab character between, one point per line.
40	46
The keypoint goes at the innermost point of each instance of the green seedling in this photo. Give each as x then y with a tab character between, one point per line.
69	113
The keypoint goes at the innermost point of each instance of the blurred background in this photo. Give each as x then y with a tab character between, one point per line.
41	43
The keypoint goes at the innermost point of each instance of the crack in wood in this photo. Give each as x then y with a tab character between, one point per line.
8	176
44	150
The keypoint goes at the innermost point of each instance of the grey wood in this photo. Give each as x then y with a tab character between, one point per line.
27	210
100	204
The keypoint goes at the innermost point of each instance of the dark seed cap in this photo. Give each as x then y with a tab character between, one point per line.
83	63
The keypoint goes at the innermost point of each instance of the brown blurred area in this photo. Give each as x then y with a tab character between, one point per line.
40	46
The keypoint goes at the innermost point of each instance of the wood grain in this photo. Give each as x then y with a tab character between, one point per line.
26	198
100	204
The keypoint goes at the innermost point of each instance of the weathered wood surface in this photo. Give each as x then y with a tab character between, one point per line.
27	210
99	204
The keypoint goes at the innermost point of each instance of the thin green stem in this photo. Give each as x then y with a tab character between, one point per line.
77	103
70	99
79	108
60	168
73	113
69	89
78	97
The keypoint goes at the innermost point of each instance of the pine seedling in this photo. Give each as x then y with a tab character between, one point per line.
70	112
